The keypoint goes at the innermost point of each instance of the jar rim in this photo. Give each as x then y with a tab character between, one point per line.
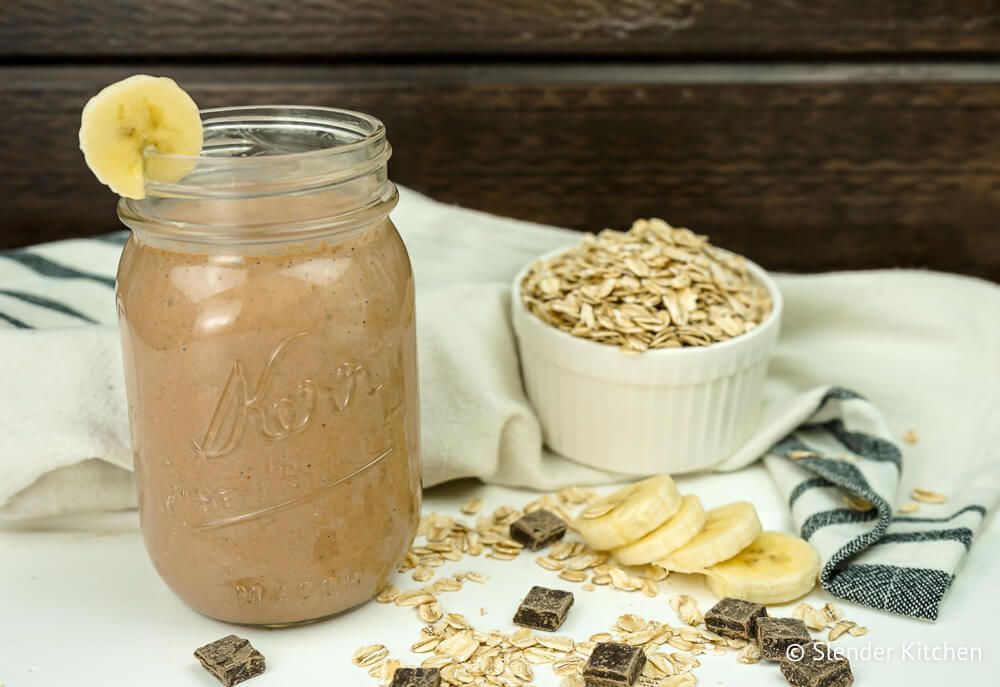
313	146
266	154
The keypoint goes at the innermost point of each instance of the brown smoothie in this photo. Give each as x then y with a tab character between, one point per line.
273	403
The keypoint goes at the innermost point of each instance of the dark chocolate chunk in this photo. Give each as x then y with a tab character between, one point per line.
544	609
231	659
734	618
537	529
416	677
775	635
613	664
817	666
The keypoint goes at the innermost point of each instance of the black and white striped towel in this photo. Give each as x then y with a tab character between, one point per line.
925	347
872	556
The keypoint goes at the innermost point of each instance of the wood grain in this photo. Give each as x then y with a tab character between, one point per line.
335	28
799	168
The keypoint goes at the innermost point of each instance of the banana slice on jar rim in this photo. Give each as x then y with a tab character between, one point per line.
629	514
128	117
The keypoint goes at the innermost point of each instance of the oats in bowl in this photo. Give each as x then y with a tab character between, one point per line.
653	286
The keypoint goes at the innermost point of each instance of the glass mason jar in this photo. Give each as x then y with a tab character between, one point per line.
267	319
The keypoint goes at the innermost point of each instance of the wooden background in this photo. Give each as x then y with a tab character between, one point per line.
807	134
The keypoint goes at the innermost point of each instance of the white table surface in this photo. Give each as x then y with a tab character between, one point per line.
81	606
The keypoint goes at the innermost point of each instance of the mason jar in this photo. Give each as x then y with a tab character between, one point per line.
267	319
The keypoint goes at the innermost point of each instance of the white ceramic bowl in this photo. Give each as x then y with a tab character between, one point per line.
667	410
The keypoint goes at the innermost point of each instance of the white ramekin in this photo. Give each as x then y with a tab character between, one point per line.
668	410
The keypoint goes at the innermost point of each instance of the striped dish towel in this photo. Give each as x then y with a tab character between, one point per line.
840	473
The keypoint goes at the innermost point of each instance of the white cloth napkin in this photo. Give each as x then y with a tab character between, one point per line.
923	347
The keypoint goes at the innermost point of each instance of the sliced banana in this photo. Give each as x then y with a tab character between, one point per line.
775	568
668	537
728	529
123	120
630	513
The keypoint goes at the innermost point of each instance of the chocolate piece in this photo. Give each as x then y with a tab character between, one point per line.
537	529
416	677
544	609
818	666
231	660
613	664
734	618
775	635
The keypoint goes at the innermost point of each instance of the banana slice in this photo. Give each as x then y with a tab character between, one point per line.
668	537
123	120
630	513
774	569
728	530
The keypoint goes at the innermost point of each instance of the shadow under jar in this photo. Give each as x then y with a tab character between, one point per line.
267	317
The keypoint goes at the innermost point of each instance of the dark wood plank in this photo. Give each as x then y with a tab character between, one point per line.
799	168
332	28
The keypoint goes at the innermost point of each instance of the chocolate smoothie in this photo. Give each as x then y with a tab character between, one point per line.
273	402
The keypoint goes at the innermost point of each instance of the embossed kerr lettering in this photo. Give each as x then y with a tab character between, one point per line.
332	393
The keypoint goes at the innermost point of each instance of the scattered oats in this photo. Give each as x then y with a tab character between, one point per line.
422	573
370	654
523	638
681	644
630	622
799	455
457	621
459	646
736	642
839	629
589	587
538	655
520	669
425	645
557	642
549	563
683	662
573	575
472	506
649	588
750	654
909	507
387	595
572	681
816	618
568	666
384	670
473	576
436	661
686	608
585	648
928	496
601	579
639	638
589	560
682	680
429	612
601	637
652	572
414	597
857	503
562	550
910	437
857	631
661	663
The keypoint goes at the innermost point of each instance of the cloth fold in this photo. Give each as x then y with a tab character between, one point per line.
923	348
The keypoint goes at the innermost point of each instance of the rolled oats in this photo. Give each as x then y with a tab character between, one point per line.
654	286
